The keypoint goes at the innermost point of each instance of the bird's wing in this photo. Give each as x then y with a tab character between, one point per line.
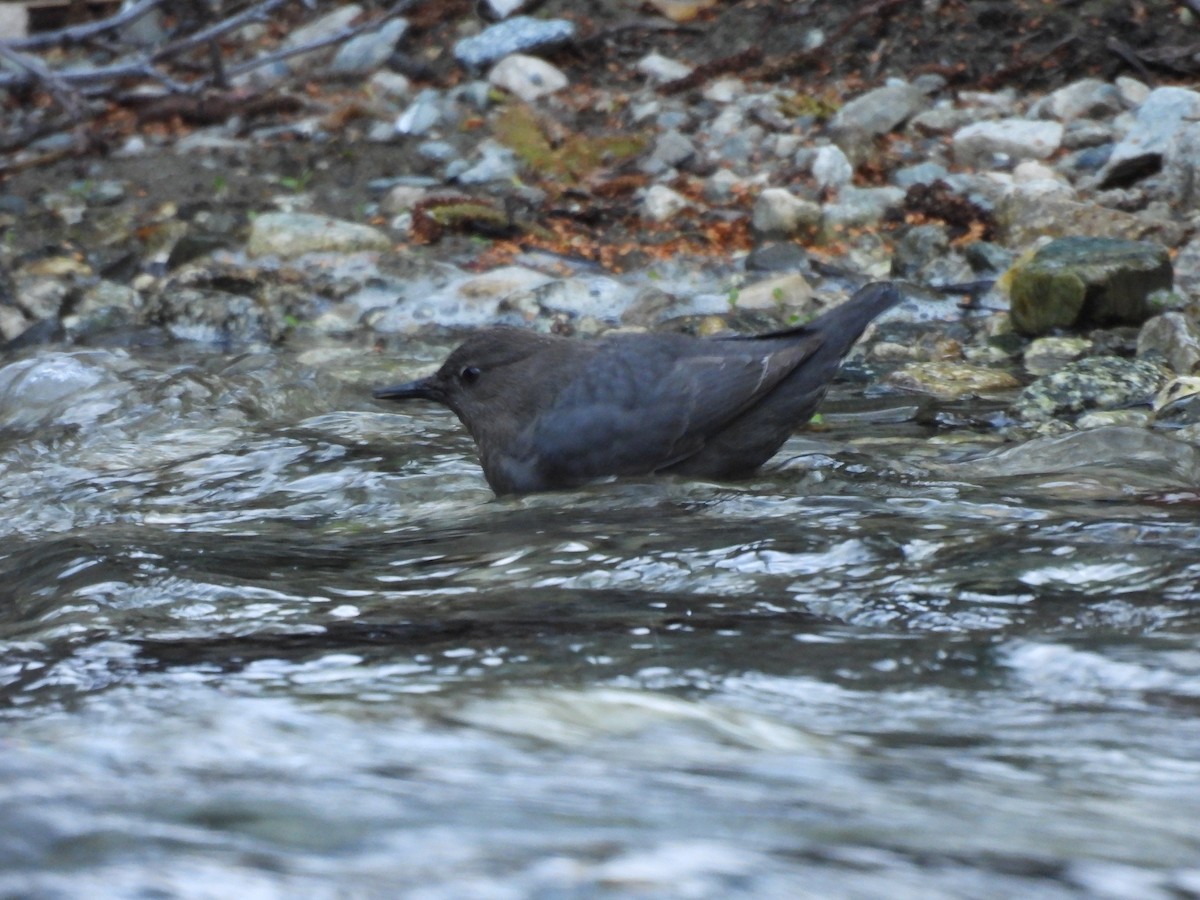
627	414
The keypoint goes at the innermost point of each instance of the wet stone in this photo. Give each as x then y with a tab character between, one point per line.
1173	337
1078	280
1049	354
1177	405
951	380
1101	382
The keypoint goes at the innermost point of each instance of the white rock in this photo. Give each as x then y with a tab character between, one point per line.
1042	189
778	211
724	90
662	203
391	85
1032	170
831	168
502	9
1087	98
527	76
982	142
1133	92
657	67
719	186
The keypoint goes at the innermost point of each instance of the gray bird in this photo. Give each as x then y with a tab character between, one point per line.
548	412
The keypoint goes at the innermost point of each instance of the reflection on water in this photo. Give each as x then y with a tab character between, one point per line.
260	635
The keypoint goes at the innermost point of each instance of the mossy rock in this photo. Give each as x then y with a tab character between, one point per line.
1080	281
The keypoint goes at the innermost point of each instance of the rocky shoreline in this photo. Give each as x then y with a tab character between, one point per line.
404	210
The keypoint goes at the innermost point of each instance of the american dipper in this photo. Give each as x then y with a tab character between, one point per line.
548	412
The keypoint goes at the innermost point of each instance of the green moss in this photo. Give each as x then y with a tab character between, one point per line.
571	159
797	106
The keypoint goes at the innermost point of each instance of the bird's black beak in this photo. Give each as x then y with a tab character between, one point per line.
421	389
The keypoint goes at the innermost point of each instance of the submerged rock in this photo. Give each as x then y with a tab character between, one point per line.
951	380
1082	280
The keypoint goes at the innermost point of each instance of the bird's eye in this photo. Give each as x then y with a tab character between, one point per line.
469	375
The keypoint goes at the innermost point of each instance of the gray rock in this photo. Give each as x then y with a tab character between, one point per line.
786	293
672	150
918	247
941	119
368	51
921	173
516	35
781	213
421	115
1086	161
527	76
856	207
502	9
1081	133
1049	354
496	163
391	85
1081	280
986	257
1174	337
1086	98
104	306
438	151
326	26
877	112
1180	180
1158	119
402	198
1022	218
952	380
831	168
740	148
661	203
781	257
659	68
1133	92
1098	383
981	143
719	187
292	234
1187	266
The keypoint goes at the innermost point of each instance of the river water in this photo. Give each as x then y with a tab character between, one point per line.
262	637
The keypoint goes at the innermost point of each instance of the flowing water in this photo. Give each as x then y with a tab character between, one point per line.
261	637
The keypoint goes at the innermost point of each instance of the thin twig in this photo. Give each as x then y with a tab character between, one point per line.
79	33
67	98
